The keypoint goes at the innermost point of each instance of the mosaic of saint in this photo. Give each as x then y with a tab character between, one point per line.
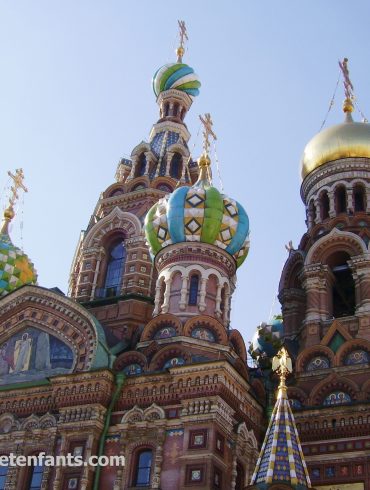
33	354
337	398
132	369
203	334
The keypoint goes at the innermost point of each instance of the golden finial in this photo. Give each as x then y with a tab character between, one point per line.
9	213
204	161
183	36
282	365
348	87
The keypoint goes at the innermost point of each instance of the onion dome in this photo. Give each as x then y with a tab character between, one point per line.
267	339
199	213
348	140
177	76
16	269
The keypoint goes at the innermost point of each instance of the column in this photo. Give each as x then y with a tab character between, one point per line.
218	311
202	294
318	210
157	298
96	273
167	292
226	307
184	291
331	196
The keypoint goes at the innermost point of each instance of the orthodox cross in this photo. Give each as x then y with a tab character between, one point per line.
348	87
282	365
18	179
207	131
183	37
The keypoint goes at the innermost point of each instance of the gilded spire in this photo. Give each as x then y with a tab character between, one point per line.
183	35
348	90
281	458
9	213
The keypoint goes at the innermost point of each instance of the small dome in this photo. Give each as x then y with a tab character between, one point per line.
267	338
16	269
347	140
199	214
176	76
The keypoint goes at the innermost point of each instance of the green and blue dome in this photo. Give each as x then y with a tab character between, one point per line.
199	214
16	269
177	76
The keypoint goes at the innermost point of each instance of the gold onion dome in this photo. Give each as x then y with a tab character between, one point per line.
347	140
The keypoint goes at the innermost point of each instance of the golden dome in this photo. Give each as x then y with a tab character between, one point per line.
347	140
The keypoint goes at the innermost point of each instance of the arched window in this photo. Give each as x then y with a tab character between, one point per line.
312	212
3	475
35	477
176	109
116	261
176	166
166	109
340	200
143	468
343	288
140	166
240	476
193	290
359	198
325	205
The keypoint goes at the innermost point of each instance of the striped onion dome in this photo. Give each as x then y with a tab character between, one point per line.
176	76
199	214
16	269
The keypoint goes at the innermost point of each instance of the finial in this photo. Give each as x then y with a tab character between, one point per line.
282	365
9	213
348	89
183	36
204	162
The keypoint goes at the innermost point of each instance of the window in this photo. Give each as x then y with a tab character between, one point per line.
115	267
359	198
340	200
35	479
240	476
143	468
325	205
176	166
3	474
193	291
140	165
343	291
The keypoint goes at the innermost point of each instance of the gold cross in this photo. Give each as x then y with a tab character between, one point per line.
18	184
348	87
207	131
183	36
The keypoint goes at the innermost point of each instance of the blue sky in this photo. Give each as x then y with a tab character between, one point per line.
75	96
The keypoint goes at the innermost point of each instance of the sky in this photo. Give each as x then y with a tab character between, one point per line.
76	96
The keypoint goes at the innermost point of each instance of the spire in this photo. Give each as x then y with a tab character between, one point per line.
348	90
281	459
183	36
204	162
9	213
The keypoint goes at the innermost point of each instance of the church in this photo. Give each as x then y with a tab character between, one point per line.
140	359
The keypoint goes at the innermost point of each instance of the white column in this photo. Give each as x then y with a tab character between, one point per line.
157	298
218	311
184	291
202	294
167	293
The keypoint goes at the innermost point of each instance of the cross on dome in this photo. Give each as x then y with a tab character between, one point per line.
183	36
207	131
